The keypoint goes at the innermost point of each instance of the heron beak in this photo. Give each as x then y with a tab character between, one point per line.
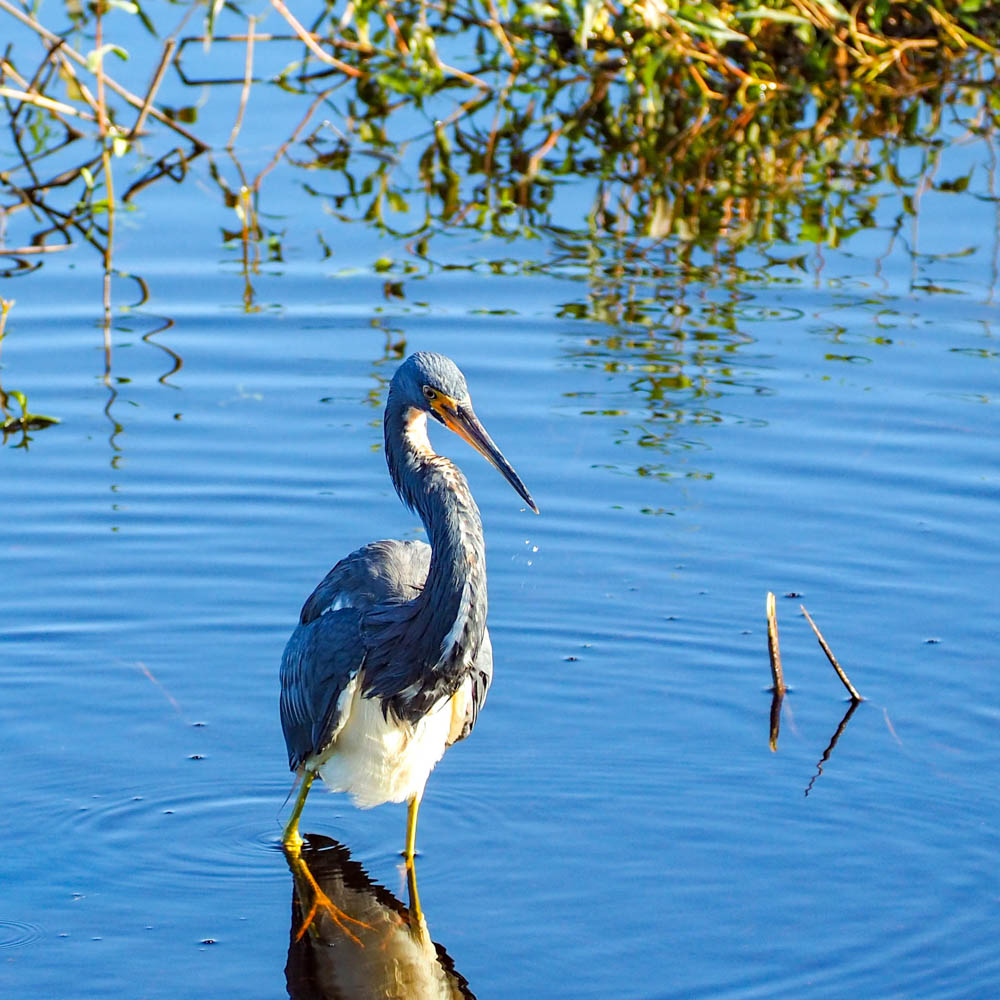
466	425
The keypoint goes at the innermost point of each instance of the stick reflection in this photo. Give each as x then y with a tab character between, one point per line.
351	938
851	709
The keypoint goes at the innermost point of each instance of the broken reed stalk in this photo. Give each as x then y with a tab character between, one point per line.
845	680
772	646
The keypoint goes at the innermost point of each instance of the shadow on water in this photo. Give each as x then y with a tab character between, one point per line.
352	938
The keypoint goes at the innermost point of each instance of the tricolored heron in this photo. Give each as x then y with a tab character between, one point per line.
391	660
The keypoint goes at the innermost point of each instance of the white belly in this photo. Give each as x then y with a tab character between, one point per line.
377	759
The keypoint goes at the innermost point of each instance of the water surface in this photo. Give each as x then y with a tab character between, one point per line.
697	430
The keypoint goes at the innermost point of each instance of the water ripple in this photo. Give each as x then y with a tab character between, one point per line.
17	933
213	839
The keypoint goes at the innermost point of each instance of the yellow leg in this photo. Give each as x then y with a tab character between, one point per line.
291	838
411	829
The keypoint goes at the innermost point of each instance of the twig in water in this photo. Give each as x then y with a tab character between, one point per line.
772	645
845	680
778	690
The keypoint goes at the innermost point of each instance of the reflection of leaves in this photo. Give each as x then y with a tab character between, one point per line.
26	421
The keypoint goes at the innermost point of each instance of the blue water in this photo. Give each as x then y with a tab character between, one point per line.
695	433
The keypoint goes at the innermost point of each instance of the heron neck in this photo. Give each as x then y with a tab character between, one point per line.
449	616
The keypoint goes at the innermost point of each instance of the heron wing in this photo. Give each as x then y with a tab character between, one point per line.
380	572
326	650
319	662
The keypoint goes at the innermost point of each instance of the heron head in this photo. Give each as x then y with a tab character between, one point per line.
433	384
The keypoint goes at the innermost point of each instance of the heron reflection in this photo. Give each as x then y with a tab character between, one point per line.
353	939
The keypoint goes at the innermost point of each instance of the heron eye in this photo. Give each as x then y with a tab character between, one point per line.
429	393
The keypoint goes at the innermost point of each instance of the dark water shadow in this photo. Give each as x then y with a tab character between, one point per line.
351	938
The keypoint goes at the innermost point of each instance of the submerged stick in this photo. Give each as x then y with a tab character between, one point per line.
845	680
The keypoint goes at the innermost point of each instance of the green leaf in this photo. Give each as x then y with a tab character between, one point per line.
767	14
96	56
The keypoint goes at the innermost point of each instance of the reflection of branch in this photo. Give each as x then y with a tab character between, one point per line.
247	80
851	709
776	699
280	151
109	186
43	102
39	29
175	357
833	660
310	42
168	51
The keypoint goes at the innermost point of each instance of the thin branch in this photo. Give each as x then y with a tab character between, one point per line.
845	680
